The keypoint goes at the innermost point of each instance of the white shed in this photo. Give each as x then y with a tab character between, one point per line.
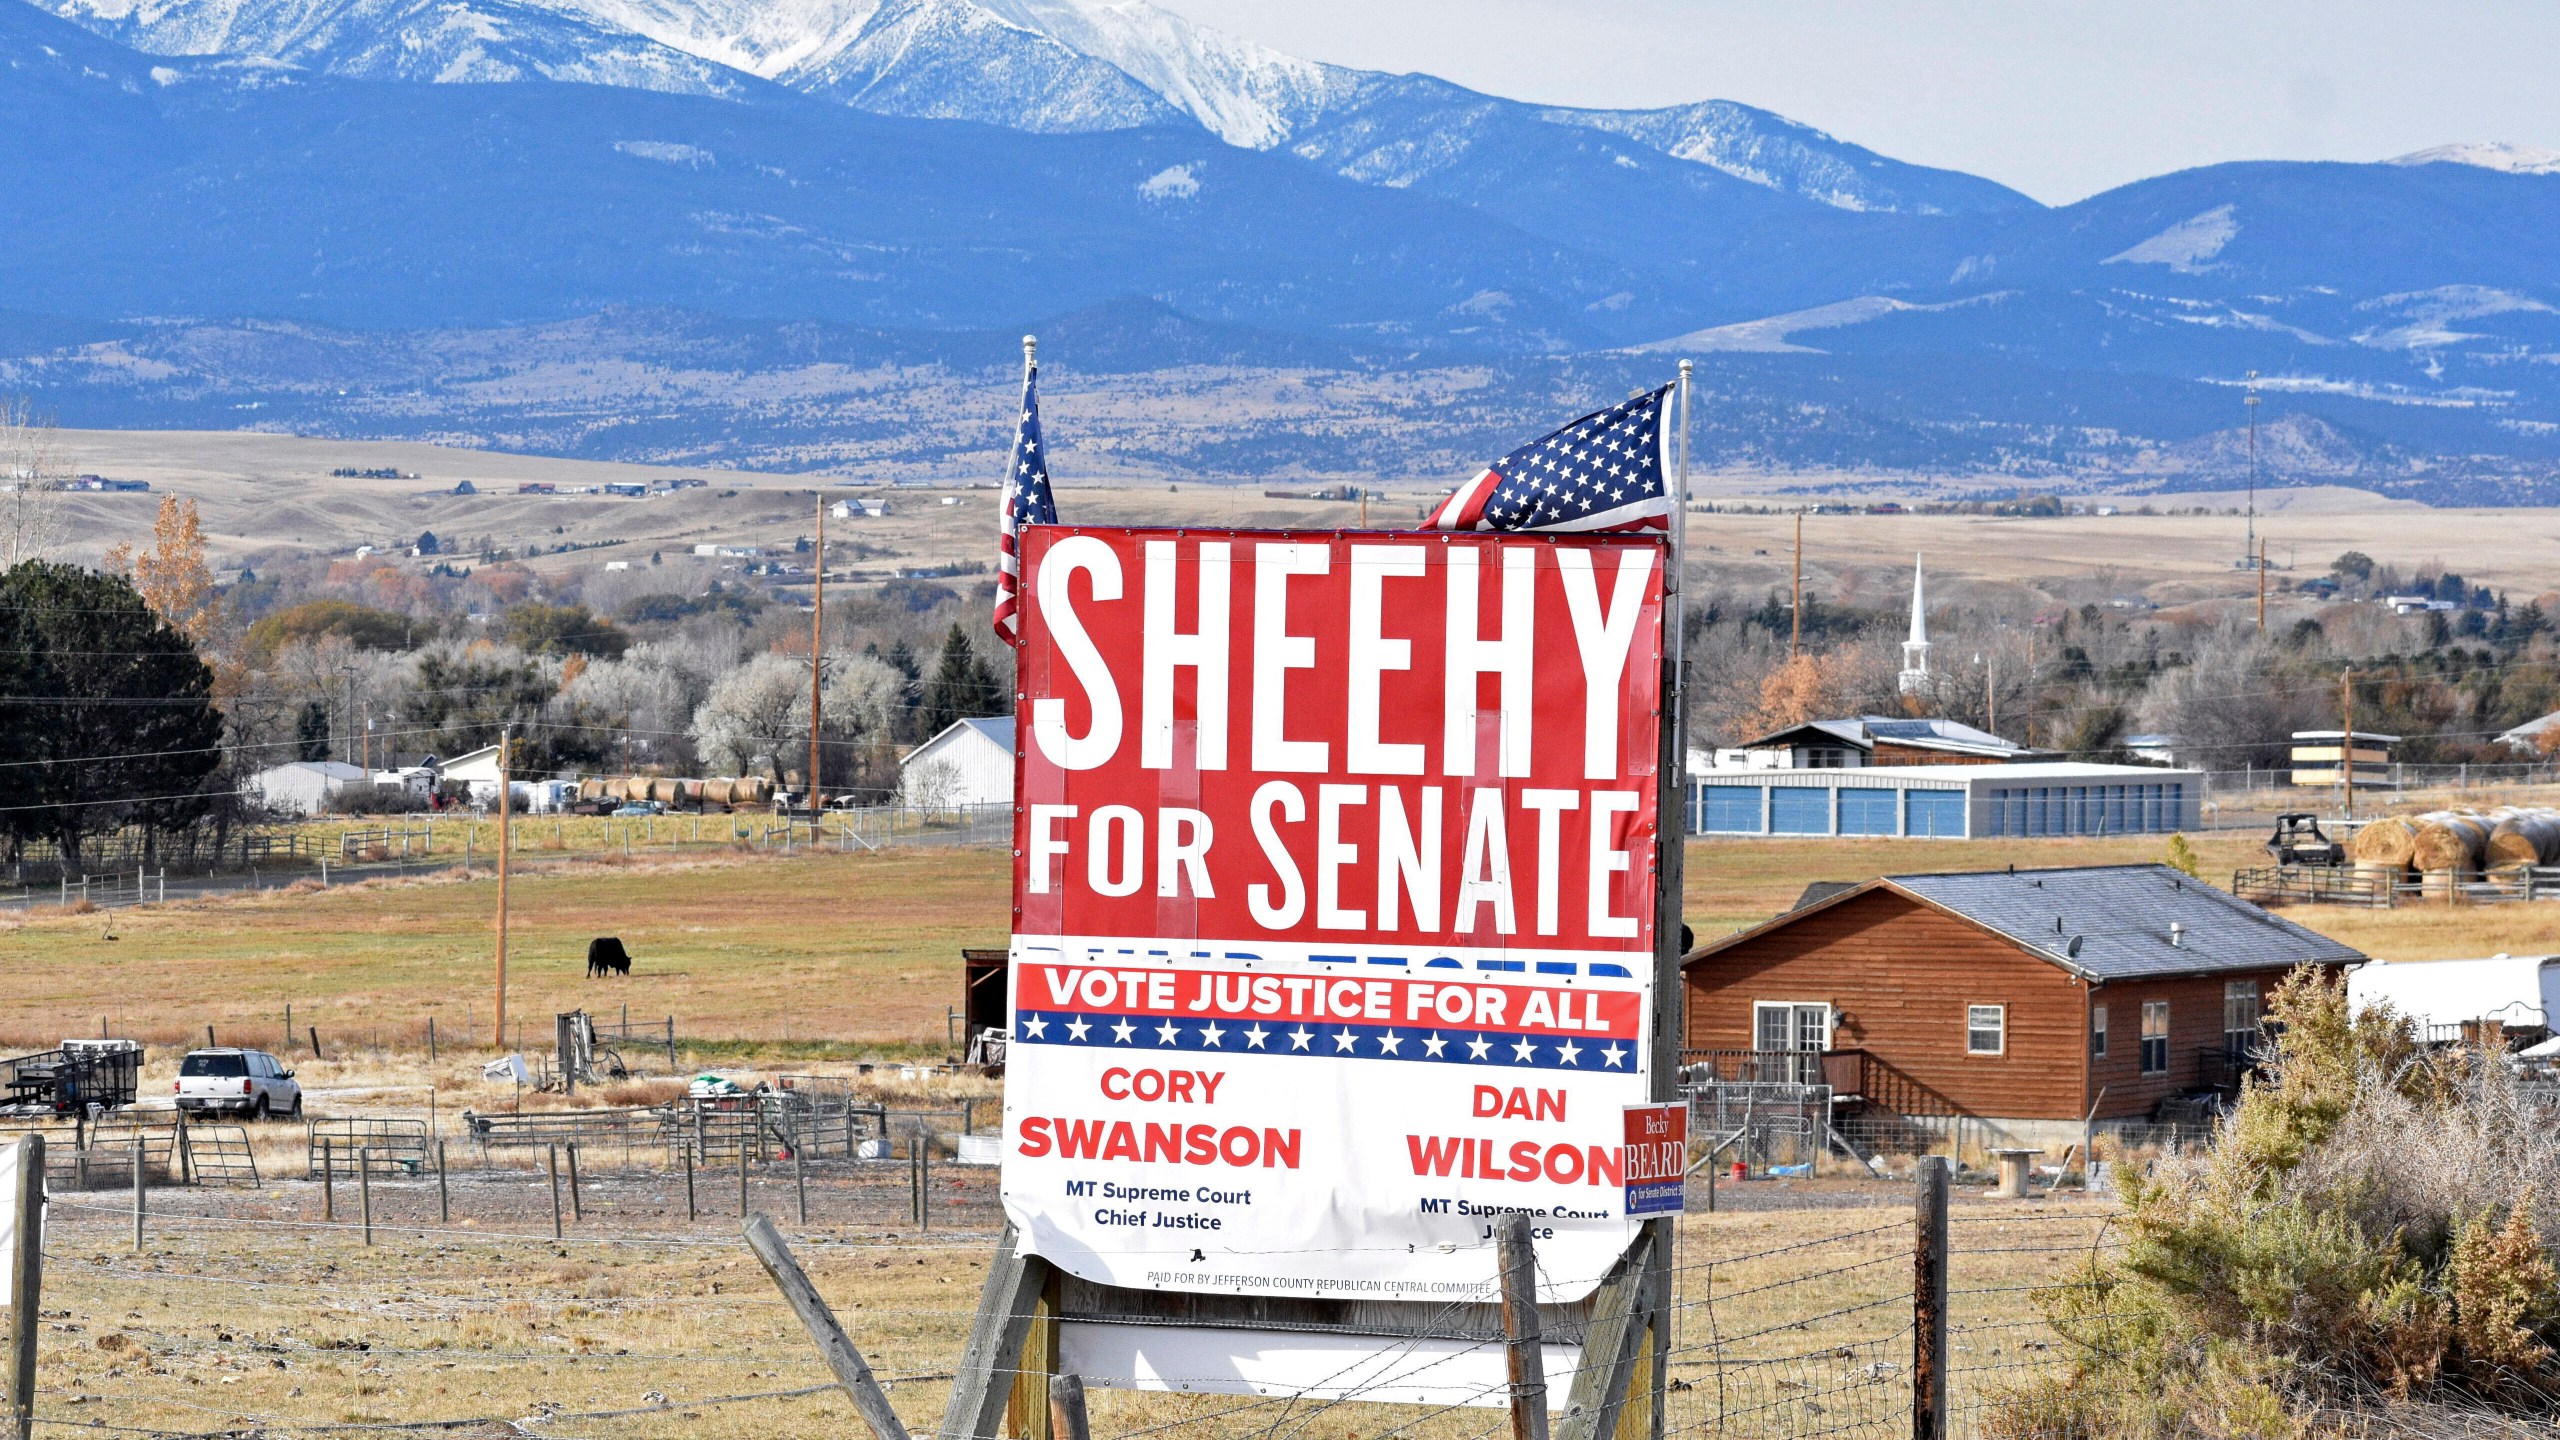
2521	992
968	764
303	787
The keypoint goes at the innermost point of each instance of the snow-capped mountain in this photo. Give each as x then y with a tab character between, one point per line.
1047	66
446	41
2497	155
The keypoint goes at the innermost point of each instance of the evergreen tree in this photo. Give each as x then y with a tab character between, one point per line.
311	732
109	698
963	686
902	658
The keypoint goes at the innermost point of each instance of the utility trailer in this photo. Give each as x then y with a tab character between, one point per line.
103	1073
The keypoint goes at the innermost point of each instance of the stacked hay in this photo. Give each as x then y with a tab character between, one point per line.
2385	846
2453	843
666	792
2524	837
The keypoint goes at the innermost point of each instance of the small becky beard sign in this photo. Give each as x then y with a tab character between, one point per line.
1333	906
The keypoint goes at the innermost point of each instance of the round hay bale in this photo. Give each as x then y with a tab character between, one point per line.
716	792
2525	837
2387	843
591	789
2451	843
665	792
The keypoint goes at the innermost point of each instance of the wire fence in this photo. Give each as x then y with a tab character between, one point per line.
487	1302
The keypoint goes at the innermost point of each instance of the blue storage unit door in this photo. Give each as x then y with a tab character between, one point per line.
1866	812
1799	810
1732	809
1935	813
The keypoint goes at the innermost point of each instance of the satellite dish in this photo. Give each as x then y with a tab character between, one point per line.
2072	949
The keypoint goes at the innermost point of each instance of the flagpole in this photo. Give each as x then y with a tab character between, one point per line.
1671	804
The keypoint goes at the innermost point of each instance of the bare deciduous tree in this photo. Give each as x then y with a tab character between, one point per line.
30	500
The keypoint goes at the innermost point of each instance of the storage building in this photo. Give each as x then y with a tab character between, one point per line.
1947	802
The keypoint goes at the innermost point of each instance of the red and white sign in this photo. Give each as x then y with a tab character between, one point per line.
1333	904
1657	1158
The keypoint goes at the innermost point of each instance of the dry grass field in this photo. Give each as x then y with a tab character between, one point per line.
261	490
815	954
246	1314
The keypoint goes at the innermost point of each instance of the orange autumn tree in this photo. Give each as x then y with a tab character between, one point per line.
171	575
1806	687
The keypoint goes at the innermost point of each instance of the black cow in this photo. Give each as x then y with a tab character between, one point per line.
605	953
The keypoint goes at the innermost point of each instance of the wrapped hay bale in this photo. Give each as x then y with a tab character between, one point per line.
2524	837
666	792
2451	843
715	792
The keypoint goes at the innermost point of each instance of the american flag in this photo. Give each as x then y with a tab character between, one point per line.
1027	501
1602	472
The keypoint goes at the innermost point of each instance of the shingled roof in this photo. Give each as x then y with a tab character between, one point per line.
2102	922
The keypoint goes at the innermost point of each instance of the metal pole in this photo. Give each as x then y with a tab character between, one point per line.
1795	637
817	657
553	1154
742	1177
689	1211
800	1177
26	1223
137	1192
1524	1349
328	1182
577	1210
364	1188
1929	1302
506	742
444	1202
2347	737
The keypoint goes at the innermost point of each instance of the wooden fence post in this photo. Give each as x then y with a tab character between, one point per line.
800	1178
27	1211
1524	1347
689	1211
577	1209
364	1188
1929	1302
328	1183
1067	1419
552	1153
851	1371
444	1201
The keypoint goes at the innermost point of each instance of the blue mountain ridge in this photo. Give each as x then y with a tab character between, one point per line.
367	229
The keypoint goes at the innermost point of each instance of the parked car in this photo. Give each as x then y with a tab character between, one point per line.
240	1082
642	807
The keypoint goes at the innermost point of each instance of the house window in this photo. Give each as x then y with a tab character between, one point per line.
1986	1029
2155	1037
1795	1032
2240	1019
2097	1032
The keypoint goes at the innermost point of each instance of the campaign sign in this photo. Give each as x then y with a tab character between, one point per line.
1657	1159
1333	905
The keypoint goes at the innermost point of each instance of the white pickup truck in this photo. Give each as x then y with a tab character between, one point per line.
242	1082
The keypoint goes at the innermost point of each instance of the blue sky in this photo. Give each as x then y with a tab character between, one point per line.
2059	98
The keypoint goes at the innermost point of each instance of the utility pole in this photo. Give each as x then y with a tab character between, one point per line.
2251	554
2262	587
817	650
2347	738
506	744
347	722
1795	637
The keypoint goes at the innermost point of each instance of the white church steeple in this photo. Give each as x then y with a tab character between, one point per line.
1915	651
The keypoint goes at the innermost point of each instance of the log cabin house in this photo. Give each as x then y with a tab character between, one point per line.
2011	1007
